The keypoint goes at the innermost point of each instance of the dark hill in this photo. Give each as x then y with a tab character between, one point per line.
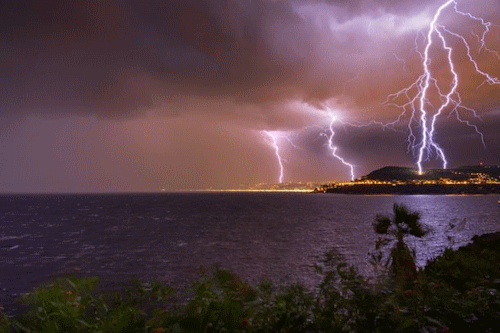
392	173
401	180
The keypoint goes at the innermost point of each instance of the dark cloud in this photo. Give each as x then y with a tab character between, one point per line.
116	58
217	72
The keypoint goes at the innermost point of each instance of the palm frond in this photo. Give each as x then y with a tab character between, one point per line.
382	224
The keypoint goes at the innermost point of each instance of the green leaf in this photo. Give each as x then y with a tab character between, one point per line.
83	323
71	284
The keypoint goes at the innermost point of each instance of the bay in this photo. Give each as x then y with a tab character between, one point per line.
168	236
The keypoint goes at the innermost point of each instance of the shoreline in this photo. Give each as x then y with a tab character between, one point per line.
483	189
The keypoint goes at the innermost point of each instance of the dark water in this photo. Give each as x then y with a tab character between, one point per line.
169	236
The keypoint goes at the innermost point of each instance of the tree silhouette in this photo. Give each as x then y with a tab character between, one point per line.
403	223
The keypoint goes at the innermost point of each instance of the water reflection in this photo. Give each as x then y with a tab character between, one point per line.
168	236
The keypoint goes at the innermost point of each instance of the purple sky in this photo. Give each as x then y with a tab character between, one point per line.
126	95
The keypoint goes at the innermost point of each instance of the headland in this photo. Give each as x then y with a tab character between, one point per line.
402	180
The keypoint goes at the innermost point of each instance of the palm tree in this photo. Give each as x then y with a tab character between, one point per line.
404	222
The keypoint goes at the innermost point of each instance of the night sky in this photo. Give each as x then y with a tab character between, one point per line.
126	95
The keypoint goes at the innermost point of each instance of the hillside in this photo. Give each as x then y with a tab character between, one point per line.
402	180
391	173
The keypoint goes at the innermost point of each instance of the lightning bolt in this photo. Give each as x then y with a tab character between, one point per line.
274	140
333	148
417	98
327	132
400	60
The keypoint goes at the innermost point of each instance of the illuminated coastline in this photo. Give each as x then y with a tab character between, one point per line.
394	180
390	180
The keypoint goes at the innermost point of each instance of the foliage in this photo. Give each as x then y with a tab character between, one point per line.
458	291
394	230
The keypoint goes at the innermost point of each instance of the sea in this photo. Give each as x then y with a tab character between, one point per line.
168	237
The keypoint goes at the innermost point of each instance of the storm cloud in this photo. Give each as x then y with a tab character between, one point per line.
223	71
122	58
